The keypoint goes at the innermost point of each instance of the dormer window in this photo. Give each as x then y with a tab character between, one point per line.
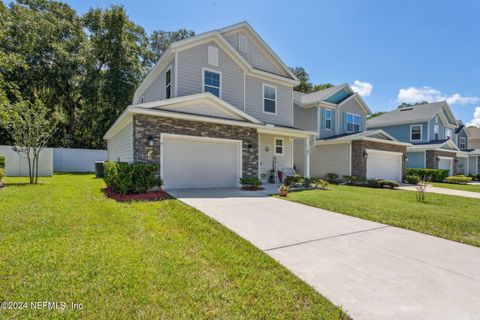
242	43
213	56
353	122
416	132
436	131
462	143
168	84
212	82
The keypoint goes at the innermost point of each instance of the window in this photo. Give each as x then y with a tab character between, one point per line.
213	56
328	118
242	43
416	132
211	82
168	84
353	122
269	99
279	146
448	133
463	143
436	131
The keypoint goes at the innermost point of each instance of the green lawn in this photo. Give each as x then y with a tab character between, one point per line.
450	217
62	241
464	187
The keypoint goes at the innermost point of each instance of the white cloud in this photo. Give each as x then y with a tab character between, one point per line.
364	89
413	94
476	118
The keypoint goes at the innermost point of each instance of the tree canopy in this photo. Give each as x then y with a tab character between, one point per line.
90	64
305	85
405	104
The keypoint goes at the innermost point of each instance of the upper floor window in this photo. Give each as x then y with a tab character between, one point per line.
463	143
242	43
436	131
269	99
212	82
213	56
448	133
168	84
416	132
328	118
353	122
279	146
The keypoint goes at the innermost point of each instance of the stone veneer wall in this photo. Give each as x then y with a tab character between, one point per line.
145	126
359	163
432	156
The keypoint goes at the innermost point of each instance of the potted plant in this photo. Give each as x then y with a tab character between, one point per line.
283	190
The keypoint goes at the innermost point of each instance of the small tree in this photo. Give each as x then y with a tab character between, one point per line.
31	125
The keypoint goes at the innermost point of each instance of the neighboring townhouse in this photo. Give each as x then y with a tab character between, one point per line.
474	139
342	145
474	150
438	140
215	107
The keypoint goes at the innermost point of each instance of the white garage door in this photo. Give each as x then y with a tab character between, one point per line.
197	162
384	165
446	164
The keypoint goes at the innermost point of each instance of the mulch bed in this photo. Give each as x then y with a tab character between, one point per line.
148	196
248	188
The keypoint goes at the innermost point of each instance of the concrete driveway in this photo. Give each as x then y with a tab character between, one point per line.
372	270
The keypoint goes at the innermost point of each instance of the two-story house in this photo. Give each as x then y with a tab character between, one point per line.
342	145
438	140
214	108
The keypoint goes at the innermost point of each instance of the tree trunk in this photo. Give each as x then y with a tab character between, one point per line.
36	167
30	173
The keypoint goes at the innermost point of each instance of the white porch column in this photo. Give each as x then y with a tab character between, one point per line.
306	157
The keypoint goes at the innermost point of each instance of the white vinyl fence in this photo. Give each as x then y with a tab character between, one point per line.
77	160
17	166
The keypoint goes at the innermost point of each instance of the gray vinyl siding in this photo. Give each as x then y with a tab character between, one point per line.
254	55
441	129
402	132
190	64
299	155
472	165
325	133
254	102
462	134
333	158
120	146
157	90
266	142
305	118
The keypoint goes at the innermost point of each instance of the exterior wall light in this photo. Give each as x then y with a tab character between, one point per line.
250	148
365	155
150	141
405	158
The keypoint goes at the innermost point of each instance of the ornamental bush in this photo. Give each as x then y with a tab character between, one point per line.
413	179
436	175
131	178
251	182
293	179
2	173
460	179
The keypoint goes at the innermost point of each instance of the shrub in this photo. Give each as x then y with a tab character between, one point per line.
382	183
331	177
437	175
250	182
315	183
413	179
131	178
354	180
460	179
373	183
296	178
2	173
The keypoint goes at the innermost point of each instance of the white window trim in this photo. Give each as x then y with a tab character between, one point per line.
275	146
170	84
355	115
263	98
331	122
244	37
210	59
203	79
462	141
421	132
451	133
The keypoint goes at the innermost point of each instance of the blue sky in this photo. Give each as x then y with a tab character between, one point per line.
397	50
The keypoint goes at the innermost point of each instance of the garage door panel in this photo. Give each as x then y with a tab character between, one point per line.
384	165
446	164
189	162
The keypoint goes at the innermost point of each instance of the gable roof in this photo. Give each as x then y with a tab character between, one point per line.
218	38
369	135
474	132
423	112
321	97
435	145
